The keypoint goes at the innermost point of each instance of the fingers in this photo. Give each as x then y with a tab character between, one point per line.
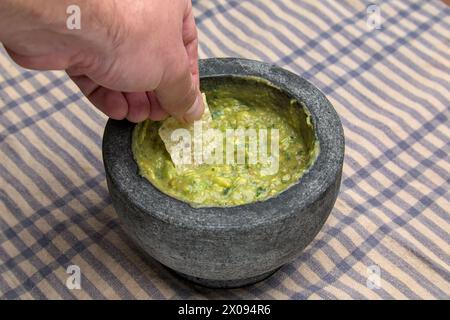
112	103
134	106
156	112
190	41
178	92
175	76
138	106
86	85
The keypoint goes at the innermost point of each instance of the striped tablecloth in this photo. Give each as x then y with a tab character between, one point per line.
388	235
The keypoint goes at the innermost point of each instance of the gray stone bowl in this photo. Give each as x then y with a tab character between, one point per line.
236	246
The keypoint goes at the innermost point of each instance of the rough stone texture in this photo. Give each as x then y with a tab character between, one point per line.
223	247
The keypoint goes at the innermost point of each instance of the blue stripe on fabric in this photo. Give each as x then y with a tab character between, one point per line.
326	277
433	33
366	65
410	212
94	237
32	254
46	189
392	176
39	116
81	147
343	267
91	184
29	284
229	34
345	50
48	163
394	153
390	49
385	230
209	13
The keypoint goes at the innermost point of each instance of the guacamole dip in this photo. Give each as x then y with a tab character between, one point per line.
234	103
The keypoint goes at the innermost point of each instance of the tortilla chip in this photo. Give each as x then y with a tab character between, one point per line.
185	146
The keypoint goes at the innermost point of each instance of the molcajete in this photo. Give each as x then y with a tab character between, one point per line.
238	245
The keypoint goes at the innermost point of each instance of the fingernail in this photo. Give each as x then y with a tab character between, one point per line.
196	111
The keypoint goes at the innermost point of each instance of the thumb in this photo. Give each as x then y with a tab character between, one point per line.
178	92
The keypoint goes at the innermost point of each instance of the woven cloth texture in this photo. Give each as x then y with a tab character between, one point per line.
391	87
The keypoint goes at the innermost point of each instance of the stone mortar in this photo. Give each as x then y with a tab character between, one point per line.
236	246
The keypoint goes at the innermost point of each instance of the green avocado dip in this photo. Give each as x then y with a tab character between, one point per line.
234	102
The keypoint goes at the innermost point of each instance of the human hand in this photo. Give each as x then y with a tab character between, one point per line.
132	59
